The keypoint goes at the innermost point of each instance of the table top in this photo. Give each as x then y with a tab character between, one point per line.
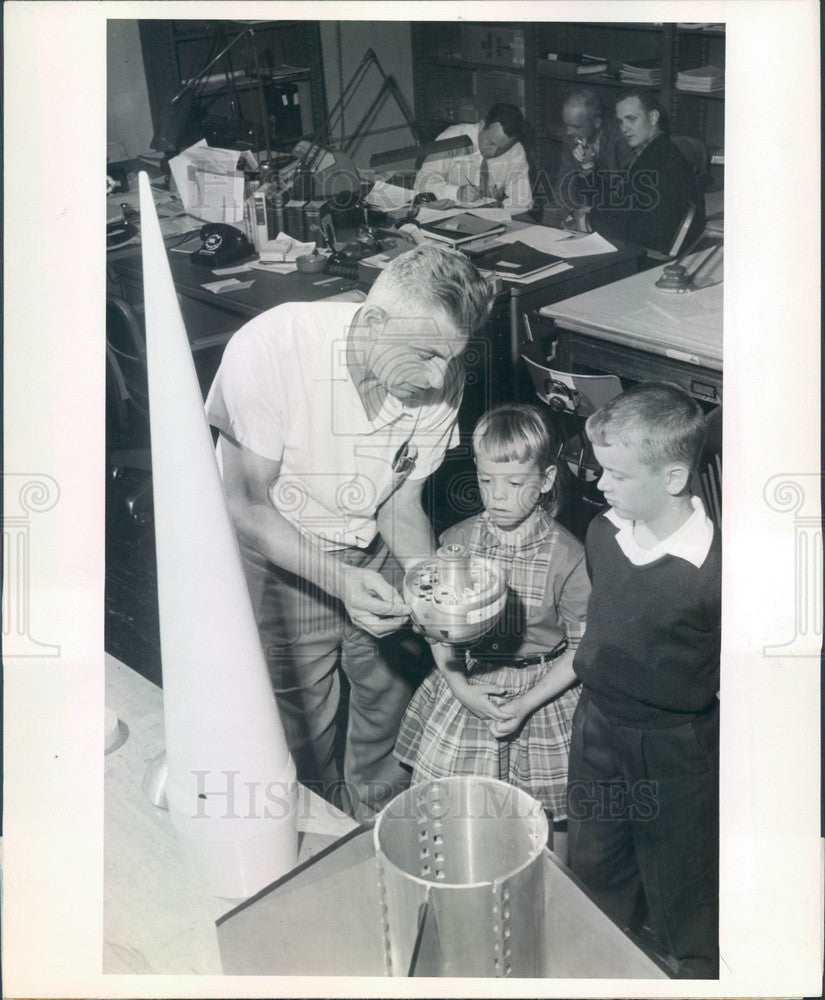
271	289
157	919
635	313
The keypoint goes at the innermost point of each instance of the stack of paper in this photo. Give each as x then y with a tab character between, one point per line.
279	255
701	80
642	73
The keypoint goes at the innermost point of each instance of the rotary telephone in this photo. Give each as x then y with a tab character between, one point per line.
222	245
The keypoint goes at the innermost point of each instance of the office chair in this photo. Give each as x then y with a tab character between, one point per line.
573	398
697	156
127	437
707	480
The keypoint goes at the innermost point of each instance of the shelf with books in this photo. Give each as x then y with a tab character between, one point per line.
441	48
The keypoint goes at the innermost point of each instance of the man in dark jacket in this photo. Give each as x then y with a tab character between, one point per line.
648	204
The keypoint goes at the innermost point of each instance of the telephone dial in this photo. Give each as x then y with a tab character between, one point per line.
222	245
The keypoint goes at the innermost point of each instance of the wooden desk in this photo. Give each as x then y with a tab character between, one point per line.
156	918
637	331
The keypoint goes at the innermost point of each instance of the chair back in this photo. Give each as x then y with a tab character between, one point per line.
696	154
126	353
707	481
566	393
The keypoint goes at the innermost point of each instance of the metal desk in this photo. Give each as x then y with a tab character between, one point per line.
637	331
212	319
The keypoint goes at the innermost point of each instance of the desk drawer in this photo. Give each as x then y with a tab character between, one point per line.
577	352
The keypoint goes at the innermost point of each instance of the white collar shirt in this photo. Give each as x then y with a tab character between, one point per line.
284	391
443	174
691	541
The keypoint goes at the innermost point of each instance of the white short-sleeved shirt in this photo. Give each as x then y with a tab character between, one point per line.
283	390
443	174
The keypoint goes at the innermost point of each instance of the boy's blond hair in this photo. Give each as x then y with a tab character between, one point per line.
660	420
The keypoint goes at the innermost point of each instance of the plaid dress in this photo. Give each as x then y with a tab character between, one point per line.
547	601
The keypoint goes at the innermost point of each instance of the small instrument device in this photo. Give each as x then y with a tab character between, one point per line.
455	597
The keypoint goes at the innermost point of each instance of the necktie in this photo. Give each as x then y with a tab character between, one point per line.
484	178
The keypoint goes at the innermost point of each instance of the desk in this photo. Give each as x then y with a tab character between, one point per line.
156	918
637	331
212	319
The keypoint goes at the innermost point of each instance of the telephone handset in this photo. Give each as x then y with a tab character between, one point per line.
222	245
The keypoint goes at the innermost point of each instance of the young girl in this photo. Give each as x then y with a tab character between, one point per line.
504	708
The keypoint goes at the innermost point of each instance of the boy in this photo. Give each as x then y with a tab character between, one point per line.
643	776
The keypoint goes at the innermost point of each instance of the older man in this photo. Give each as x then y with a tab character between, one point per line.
493	168
593	148
331	416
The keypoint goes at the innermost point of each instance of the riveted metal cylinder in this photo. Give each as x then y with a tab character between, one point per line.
470	850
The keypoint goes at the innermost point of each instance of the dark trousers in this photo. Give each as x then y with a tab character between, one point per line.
643	819
307	638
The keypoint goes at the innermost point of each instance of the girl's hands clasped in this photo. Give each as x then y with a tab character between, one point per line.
476	698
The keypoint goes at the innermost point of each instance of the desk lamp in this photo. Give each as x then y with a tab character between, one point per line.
231	783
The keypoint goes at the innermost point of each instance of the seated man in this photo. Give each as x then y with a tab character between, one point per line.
593	147
648	203
493	169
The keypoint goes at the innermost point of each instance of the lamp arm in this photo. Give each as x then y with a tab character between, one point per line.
200	77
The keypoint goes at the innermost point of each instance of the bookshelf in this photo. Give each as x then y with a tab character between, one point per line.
459	67
285	54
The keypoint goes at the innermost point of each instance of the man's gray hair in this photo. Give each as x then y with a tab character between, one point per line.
434	276
588	99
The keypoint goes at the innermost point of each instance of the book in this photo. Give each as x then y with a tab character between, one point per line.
571	64
462	228
516	260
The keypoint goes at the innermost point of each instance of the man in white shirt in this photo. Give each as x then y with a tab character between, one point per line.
493	169
331	416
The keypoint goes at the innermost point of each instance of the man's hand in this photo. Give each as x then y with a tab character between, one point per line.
577	221
372	603
585	155
468	193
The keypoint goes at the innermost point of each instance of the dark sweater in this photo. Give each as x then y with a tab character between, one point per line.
648	204
650	655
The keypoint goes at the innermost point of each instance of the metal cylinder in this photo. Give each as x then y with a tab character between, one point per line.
466	856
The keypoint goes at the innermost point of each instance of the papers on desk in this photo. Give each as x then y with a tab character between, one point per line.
492	214
208	183
583	246
389	197
227	285
279	255
559	242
